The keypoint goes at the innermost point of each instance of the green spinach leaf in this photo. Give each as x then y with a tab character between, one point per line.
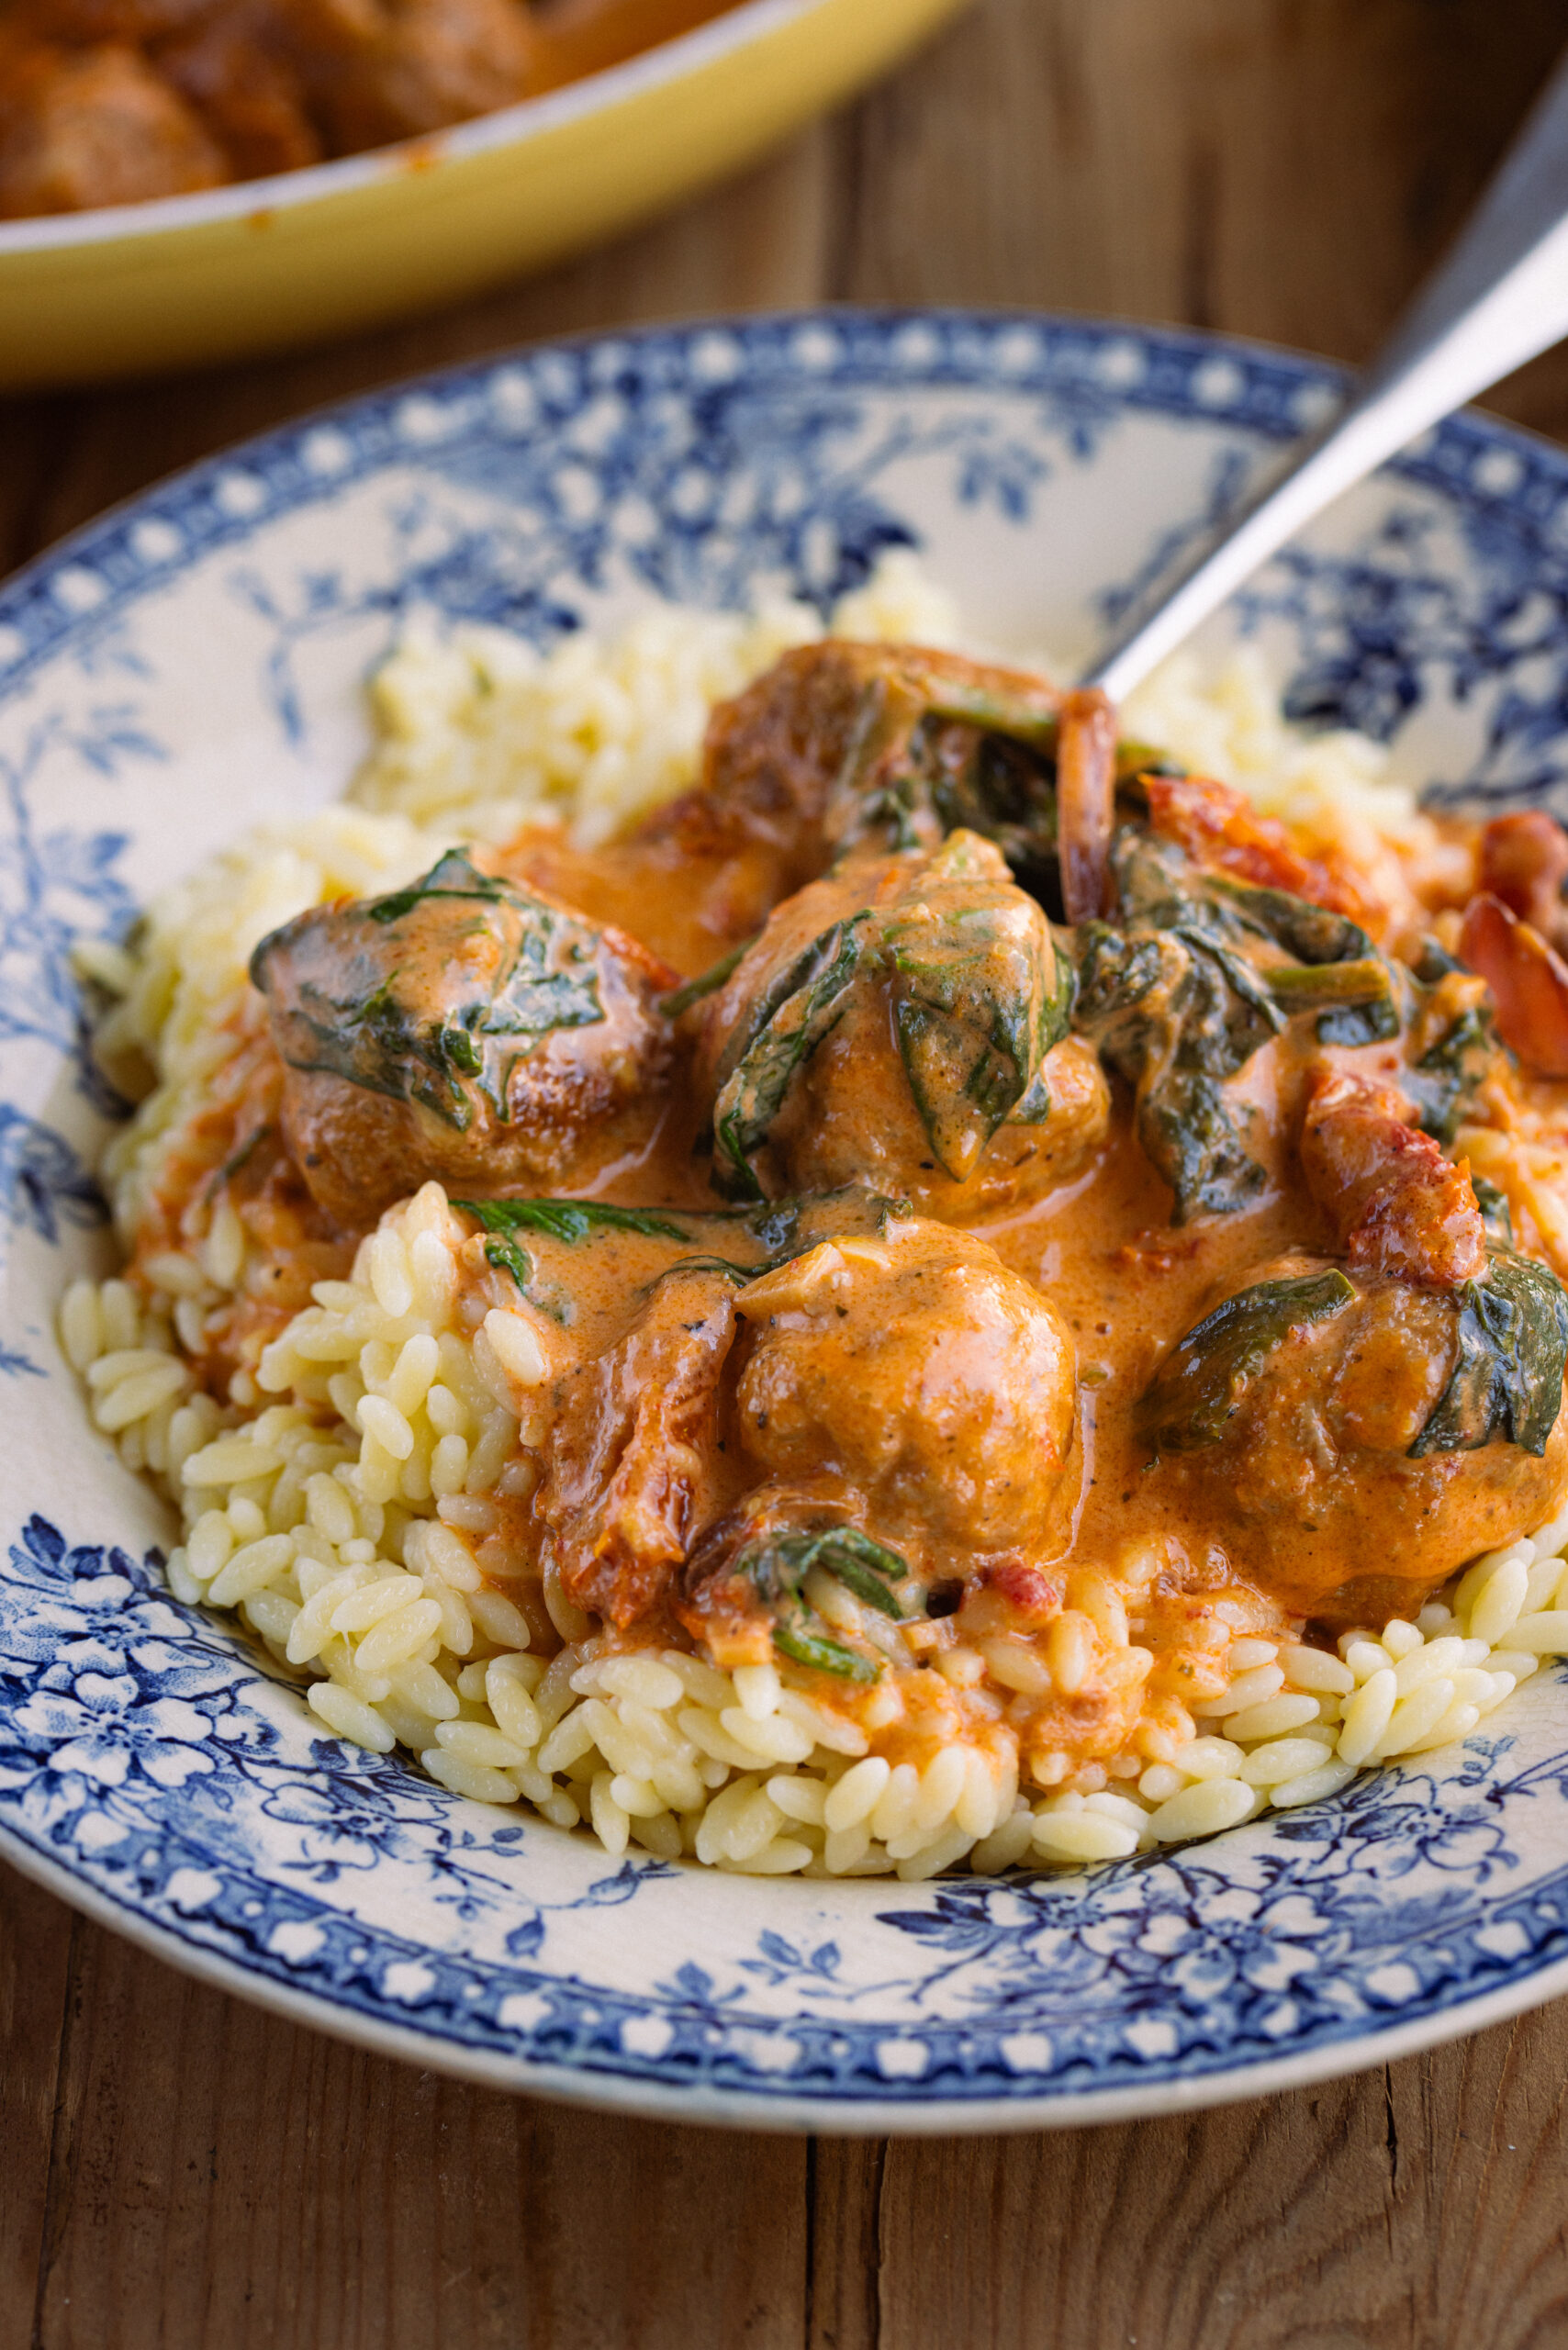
777	1565
977	1002
1450	1073
793	1017
1194	1139
1201	1383
1174	1013
779	1230
1356	1001
707	982
434	994
1512	1345
453	876
507	1257
979	996
1312	934
800	1638
786	1228
1495	1212
1176	1005
571	1219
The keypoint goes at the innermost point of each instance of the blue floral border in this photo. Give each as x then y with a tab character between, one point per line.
1093	367
143	1758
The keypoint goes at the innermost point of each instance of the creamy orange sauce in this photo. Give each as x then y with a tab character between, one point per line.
576	38
1101	1246
1070	1584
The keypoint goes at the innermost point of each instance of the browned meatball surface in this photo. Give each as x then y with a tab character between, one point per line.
919	1373
899	1024
839	740
465	1030
415	66
111	101
1312	1458
85	128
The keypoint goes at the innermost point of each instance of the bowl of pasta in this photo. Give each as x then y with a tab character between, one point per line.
185	181
756	1369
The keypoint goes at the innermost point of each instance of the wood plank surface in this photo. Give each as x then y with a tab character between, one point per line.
180	2170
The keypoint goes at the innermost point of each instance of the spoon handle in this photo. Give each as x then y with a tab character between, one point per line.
1499	298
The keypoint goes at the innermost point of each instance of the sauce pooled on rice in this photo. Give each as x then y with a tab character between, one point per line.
984	1214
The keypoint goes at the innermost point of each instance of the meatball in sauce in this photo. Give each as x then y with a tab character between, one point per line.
925	1283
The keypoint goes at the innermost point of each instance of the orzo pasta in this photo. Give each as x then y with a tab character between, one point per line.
801	1252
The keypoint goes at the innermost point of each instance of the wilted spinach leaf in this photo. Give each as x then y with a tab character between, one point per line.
1508	1374
1446	1080
706	983
453	876
788	1025
1357	1002
1176	1005
1166	1014
777	1565
571	1219
978	997
1495	1214
929	750
1312	934
786	1228
978	1001
507	1257
1202	1381
565	1220
776	1230
433	994
1191	1137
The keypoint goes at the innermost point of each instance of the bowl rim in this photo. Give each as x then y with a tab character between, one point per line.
246	200
801	2113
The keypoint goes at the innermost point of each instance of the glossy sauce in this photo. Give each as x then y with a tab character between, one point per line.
576	38
1101	1246
1080	1592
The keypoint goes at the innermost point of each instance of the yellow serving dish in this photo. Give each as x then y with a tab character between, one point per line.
316	253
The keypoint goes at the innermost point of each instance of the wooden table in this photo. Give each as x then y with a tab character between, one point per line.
177	2169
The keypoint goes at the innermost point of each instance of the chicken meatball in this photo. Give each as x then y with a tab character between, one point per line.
901	1023
465	1030
841	741
917	1374
80	129
397	69
1353	1442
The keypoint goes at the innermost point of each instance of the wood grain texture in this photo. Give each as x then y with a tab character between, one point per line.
1411	2207
181	2171
211	2176
35	1937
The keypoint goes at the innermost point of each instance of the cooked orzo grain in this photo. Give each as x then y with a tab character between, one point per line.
737	1507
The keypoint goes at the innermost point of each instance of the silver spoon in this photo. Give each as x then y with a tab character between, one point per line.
1500	298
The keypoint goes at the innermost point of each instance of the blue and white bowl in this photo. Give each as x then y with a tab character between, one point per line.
195	661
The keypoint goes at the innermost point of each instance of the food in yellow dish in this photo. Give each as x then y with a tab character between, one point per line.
947	1290
108	102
